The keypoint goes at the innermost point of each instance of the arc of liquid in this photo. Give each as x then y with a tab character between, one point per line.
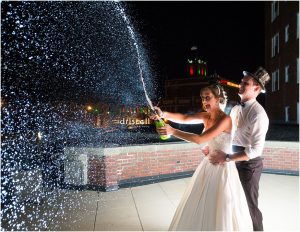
132	35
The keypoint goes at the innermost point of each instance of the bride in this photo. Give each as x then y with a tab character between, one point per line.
214	199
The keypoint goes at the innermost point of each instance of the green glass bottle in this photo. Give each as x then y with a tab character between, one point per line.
160	123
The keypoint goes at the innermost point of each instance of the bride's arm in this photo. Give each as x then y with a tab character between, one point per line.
215	130
223	125
181	118
184	118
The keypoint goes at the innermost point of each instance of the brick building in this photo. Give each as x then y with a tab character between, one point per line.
282	61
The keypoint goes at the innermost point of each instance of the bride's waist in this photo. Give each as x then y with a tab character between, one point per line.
225	164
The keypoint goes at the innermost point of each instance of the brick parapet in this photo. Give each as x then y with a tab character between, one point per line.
107	167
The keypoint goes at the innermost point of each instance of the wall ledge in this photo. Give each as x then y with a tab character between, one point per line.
282	144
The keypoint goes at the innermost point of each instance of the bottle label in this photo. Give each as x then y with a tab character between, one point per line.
160	123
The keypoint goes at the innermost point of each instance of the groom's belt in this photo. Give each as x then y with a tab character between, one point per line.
240	148
237	148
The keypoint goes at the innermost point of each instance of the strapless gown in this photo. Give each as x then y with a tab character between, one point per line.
214	199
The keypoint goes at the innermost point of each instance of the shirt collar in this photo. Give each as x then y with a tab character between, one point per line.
249	102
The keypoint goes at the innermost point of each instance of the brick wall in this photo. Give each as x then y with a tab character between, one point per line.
111	167
281	157
114	165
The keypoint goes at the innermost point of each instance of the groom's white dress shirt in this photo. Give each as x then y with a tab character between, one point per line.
250	126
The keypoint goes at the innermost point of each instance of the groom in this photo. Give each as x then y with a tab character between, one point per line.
250	123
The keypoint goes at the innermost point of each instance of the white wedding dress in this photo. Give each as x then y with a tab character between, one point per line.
214	199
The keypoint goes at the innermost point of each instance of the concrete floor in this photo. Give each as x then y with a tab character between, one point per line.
150	207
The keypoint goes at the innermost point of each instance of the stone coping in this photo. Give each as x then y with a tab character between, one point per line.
152	148
282	144
108	151
157	147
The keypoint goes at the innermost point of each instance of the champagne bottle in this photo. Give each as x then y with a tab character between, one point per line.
160	123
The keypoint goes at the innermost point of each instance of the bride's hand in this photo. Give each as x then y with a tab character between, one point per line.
158	111
153	116
217	157
157	114
165	130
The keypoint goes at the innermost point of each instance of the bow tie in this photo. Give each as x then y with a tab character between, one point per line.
241	104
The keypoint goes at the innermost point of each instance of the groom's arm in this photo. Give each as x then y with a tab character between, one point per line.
217	157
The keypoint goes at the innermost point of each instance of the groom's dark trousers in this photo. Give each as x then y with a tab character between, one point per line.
249	173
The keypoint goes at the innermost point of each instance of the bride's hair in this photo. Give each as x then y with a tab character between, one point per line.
219	92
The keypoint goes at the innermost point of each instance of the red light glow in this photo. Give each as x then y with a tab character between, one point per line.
191	71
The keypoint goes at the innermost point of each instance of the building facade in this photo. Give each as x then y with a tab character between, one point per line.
282	61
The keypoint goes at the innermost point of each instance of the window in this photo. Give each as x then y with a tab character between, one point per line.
275	45
297	25
286	33
275	80
298	112
274	10
286	111
286	73
297	70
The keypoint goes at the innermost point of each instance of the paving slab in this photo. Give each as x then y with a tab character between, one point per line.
147	208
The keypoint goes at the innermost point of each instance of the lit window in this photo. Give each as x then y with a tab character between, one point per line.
286	30
286	73
274	10
275	45
286	111
275	80
298	112
298	70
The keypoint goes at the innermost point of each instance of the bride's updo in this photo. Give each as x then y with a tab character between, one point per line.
219	92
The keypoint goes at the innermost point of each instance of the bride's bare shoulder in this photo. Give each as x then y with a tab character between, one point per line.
226	118
203	115
227	123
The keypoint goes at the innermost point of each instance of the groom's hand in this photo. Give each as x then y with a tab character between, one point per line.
217	157
205	150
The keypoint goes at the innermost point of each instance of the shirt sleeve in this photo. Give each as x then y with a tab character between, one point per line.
259	127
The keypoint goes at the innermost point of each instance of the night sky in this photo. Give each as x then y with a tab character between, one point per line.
52	48
229	35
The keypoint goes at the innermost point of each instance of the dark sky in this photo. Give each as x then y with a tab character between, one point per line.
229	35
58	46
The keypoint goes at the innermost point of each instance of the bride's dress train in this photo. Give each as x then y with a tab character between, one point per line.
214	199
